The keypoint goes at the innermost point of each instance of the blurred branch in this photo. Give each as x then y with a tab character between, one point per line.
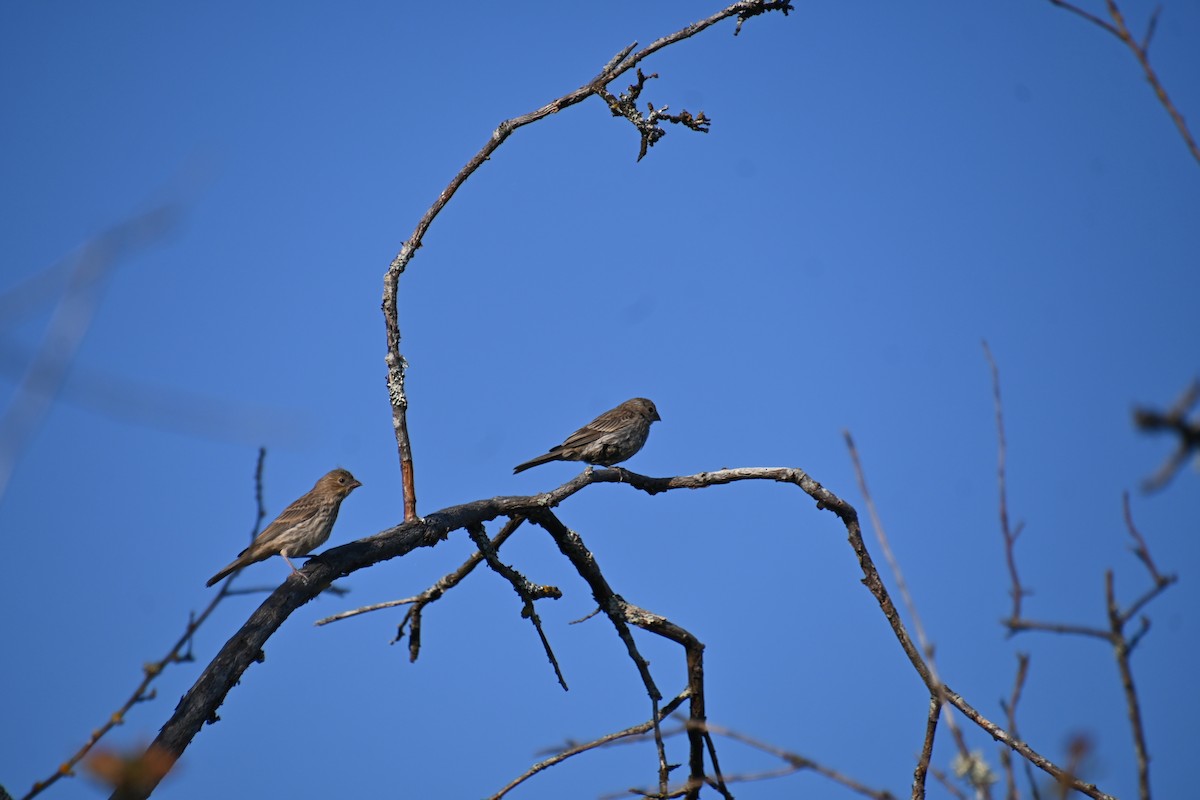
1115	634
1175	420
1010	710
142	693
159	407
69	324
624	61
947	784
1141	51
1140	549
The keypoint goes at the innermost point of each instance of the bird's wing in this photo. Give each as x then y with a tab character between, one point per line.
587	435
606	423
289	518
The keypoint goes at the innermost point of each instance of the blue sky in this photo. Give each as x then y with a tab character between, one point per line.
883	186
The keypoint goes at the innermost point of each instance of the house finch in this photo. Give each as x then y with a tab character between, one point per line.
301	528
609	439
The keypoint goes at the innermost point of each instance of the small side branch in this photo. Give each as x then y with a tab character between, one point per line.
625	105
1010	711
525	589
412	617
931	721
1121	652
607	739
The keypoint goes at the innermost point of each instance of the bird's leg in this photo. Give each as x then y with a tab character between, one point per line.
293	566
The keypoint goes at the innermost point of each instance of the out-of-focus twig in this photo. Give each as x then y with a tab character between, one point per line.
1010	710
1175	420
1115	633
160	407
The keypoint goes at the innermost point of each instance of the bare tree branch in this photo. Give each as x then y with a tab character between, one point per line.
624	61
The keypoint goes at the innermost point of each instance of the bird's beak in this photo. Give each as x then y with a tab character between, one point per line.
357	483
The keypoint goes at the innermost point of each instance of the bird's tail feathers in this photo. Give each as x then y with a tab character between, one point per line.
553	455
236	564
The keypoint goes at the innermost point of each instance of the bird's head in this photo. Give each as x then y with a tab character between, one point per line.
644	407
338	482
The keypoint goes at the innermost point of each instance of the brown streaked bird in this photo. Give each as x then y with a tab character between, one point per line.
301	528
610	438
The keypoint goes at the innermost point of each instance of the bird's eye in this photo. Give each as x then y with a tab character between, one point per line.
342	481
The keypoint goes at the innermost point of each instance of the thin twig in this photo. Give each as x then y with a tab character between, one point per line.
1140	549
1141	51
926	644
574	750
801	762
947	784
1010	534
1017	625
525	589
1010	710
1121	652
150	671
